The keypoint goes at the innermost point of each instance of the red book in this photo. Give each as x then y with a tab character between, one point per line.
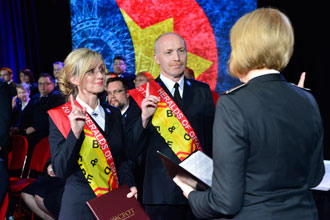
115	205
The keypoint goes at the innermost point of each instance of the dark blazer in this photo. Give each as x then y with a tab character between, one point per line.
64	155
33	89
131	113
198	107
12	86
41	106
23	119
5	117
267	153
129	78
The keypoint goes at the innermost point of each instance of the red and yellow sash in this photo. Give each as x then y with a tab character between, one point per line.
169	121
95	158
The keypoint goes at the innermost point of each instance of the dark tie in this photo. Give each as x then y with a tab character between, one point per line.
177	97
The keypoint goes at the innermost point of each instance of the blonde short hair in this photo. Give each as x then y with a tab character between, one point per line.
23	86
76	64
260	39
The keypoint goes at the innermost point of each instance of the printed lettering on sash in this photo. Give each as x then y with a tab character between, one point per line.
170	121
95	158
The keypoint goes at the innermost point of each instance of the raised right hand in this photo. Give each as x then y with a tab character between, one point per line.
77	118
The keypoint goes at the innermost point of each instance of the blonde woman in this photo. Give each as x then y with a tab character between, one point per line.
86	137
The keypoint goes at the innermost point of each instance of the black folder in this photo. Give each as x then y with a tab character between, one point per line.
174	169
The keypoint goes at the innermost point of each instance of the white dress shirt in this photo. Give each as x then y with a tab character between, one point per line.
170	84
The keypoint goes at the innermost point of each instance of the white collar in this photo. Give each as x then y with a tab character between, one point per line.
97	114
170	84
124	110
255	73
24	105
88	108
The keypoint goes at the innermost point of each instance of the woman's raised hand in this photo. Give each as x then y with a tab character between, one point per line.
77	118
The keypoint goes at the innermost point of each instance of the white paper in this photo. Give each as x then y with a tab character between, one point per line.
200	165
325	183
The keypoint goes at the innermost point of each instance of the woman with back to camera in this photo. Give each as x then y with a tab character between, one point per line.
80	132
268	135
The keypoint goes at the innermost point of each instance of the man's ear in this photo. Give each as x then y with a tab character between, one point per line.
156	58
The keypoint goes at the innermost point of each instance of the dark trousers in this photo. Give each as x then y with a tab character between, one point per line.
169	212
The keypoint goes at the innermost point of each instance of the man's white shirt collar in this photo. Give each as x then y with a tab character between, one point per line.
124	110
170	84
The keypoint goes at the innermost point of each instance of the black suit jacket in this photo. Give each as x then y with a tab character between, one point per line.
129	79
131	113
5	117
23	118
12	86
41	106
64	155
267	153
198	107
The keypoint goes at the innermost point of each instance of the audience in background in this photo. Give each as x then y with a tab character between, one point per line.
7	75
23	109
119	68
189	73
46	99
26	76
57	66
142	78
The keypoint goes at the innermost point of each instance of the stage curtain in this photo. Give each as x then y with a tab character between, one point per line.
19	36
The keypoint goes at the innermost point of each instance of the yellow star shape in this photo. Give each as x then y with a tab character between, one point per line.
143	42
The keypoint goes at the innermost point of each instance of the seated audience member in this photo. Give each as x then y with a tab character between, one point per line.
142	78
46	99
26	76
44	195
57	66
119	68
267	134
22	110
189	73
7	75
5	118
82	76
